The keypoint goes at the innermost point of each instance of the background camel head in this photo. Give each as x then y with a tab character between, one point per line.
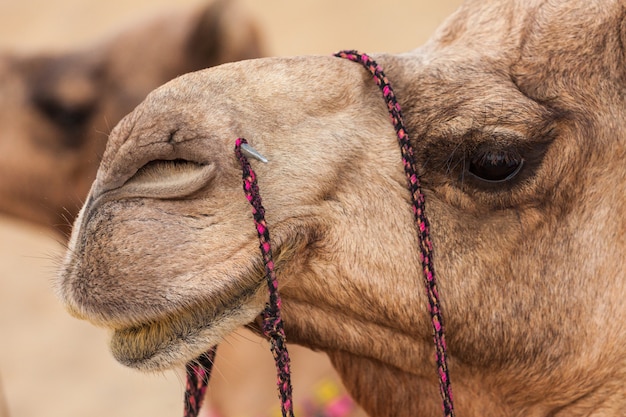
57	109
516	112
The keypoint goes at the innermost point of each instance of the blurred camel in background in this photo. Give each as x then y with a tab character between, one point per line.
57	110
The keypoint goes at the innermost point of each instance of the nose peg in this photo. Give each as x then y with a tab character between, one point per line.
250	152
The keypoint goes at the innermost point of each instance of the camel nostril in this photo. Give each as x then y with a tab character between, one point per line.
159	167
168	179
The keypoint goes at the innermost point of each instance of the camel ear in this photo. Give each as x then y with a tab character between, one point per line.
223	32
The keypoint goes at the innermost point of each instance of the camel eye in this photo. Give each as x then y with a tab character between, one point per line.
496	166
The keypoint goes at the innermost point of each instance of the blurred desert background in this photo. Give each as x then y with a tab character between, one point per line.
54	365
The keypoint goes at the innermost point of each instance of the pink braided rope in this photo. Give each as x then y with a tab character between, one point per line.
272	321
199	371
417	198
198	374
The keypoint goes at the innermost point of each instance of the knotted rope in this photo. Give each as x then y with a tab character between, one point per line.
198	371
272	320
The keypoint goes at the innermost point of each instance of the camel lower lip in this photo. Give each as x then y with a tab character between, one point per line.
139	347
180	337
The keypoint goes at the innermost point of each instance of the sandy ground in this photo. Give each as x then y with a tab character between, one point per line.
53	365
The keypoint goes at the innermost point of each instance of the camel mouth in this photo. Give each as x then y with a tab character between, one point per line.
169	329
182	336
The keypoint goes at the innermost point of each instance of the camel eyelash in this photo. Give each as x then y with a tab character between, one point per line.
487	163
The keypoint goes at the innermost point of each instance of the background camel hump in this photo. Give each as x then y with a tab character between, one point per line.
58	108
227	33
213	34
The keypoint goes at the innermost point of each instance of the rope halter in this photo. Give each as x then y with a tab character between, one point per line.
198	371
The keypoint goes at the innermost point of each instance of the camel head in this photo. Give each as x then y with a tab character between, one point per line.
516	112
56	109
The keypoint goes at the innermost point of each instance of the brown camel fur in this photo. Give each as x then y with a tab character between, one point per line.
58	108
516	110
